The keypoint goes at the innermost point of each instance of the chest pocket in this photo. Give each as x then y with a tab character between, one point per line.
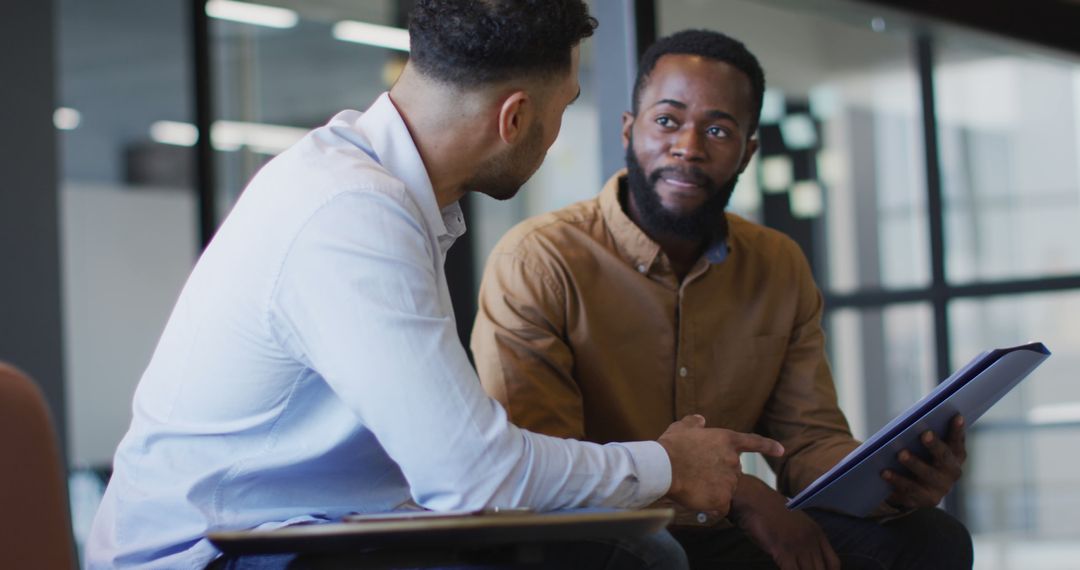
754	367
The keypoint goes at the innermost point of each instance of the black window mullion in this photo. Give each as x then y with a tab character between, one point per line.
205	191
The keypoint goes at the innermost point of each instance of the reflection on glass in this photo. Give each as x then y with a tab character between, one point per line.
1009	127
274	82
1022	481
841	114
127	213
883	361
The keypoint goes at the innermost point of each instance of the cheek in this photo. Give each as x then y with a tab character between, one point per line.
556	128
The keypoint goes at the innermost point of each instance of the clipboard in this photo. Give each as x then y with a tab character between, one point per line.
854	486
456	530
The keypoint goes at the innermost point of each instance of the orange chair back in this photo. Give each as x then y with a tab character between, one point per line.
35	526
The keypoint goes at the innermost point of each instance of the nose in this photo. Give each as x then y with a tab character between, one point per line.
688	144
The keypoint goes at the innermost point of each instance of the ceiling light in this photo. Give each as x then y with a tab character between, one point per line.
372	35
255	14
174	133
1055	413
66	118
230	135
259	137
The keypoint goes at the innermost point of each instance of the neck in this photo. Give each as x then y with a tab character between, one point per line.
450	149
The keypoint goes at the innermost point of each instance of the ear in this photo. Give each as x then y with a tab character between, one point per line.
751	148
516	113
627	124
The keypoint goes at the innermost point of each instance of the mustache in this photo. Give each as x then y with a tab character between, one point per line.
691	174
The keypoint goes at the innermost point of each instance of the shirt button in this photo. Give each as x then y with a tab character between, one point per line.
702	518
641	268
683	372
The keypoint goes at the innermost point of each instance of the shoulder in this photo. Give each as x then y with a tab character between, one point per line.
550	234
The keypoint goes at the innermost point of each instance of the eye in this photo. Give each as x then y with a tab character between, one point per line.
666	121
717	132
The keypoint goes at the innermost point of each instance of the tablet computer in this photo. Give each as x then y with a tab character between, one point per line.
855	486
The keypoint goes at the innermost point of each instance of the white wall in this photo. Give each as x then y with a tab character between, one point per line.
125	254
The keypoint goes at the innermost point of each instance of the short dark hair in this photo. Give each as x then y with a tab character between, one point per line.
469	42
709	44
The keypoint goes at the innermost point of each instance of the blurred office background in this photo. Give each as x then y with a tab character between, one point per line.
928	161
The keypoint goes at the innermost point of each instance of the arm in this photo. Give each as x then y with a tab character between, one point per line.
357	300
520	348
802	411
791	538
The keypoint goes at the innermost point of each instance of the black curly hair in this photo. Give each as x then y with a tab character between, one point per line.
709	44
470	42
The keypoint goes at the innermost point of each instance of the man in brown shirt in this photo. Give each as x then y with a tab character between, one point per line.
608	319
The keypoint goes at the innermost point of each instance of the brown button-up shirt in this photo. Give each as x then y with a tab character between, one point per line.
585	331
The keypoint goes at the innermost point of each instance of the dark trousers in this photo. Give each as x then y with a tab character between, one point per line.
658	551
926	539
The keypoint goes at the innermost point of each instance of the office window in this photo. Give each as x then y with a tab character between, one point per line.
1021	486
127	213
1009	124
283	68
841	158
845	113
127	204
882	361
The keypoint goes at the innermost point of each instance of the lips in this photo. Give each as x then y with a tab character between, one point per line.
680	179
680	183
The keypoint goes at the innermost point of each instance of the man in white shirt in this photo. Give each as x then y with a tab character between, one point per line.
311	366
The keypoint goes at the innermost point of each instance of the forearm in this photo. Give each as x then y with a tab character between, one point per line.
753	496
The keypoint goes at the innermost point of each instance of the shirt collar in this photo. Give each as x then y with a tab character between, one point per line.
634	244
395	150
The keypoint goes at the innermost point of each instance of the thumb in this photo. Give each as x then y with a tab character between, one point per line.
694	420
750	442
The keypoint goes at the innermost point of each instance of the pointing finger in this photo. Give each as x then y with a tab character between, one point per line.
750	442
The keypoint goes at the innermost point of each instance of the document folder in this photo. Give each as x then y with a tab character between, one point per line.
855	486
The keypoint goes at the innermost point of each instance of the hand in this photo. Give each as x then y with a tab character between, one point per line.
791	538
705	462
929	482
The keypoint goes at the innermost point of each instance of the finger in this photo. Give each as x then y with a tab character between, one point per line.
946	462
958	438
907	493
751	442
943	458
925	474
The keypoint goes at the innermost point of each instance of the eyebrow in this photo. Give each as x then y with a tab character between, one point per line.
712	113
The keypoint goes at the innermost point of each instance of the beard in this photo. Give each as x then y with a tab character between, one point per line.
706	223
502	176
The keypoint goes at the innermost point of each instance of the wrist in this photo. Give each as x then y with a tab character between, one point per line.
753	497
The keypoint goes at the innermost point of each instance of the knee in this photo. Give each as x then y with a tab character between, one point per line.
940	540
660	551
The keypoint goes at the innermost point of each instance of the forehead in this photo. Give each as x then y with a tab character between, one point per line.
698	81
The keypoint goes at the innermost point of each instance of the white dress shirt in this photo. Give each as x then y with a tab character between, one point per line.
312	368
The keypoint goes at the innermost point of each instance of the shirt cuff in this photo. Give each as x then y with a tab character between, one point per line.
653	470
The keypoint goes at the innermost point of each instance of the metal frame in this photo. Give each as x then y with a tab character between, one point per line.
202	72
